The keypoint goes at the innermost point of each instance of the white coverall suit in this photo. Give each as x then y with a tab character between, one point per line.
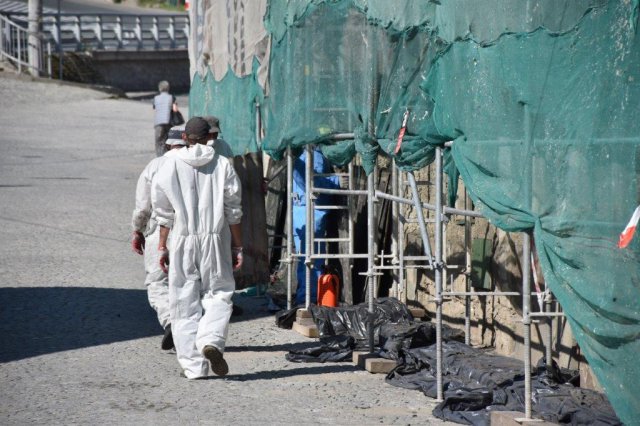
144	221
198	195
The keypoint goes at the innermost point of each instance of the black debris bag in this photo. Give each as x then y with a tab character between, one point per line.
285	318
396	337
354	320
552	374
331	349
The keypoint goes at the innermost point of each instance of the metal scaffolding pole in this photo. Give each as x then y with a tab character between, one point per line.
549	345
467	281
309	228
395	289
371	251
401	244
526	320
420	214
526	260
289	224
438	273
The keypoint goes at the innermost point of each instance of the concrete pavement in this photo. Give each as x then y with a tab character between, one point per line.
78	341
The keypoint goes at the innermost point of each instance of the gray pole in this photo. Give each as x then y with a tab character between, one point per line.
467	251
35	21
290	228
394	231
438	273
420	214
370	253
526	320
60	53
309	229
526	262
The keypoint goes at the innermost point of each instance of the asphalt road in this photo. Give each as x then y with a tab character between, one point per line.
78	342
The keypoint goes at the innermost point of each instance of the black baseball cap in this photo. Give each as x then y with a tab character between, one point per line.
196	128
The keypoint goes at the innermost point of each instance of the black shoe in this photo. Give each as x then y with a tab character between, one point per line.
167	339
218	364
237	311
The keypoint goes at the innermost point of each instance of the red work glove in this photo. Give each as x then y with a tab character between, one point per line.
137	242
236	257
164	259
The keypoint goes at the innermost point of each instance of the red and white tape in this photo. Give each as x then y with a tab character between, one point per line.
403	129
627	234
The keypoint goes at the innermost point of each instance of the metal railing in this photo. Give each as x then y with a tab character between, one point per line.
111	31
14	47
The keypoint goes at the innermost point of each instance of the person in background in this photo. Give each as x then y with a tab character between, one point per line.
163	104
197	195
320	166
220	145
146	234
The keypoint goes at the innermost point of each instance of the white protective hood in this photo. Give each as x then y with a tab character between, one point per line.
197	155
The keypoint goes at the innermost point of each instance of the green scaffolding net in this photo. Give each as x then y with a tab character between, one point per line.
548	136
541	98
233	100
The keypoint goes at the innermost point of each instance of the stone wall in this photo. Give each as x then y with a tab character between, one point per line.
136	71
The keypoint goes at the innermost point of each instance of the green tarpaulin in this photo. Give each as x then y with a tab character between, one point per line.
541	97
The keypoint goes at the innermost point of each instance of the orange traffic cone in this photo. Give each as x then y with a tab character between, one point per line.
328	287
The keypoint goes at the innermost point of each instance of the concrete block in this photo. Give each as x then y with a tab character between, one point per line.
379	365
360	357
306	327
418	312
513	418
303	313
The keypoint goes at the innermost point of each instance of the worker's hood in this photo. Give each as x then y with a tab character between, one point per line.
197	155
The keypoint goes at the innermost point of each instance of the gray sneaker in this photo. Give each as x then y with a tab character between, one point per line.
218	364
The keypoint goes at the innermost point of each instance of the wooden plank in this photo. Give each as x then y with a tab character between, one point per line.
379	365
305	327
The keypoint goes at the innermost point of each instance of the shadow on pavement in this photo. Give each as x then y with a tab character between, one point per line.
42	320
274	348
277	374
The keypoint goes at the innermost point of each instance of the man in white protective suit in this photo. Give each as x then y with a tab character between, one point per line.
197	195
146	234
220	145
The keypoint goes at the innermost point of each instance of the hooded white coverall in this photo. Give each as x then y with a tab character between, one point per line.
198	195
144	221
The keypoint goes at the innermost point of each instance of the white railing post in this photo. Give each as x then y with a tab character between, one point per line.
154	32
99	32
171	31
77	32
118	31
138	32
19	39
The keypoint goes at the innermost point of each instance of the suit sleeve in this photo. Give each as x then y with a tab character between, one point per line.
161	203
232	196
142	210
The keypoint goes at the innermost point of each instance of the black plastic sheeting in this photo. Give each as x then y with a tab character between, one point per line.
476	382
332	349
286	317
354	320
